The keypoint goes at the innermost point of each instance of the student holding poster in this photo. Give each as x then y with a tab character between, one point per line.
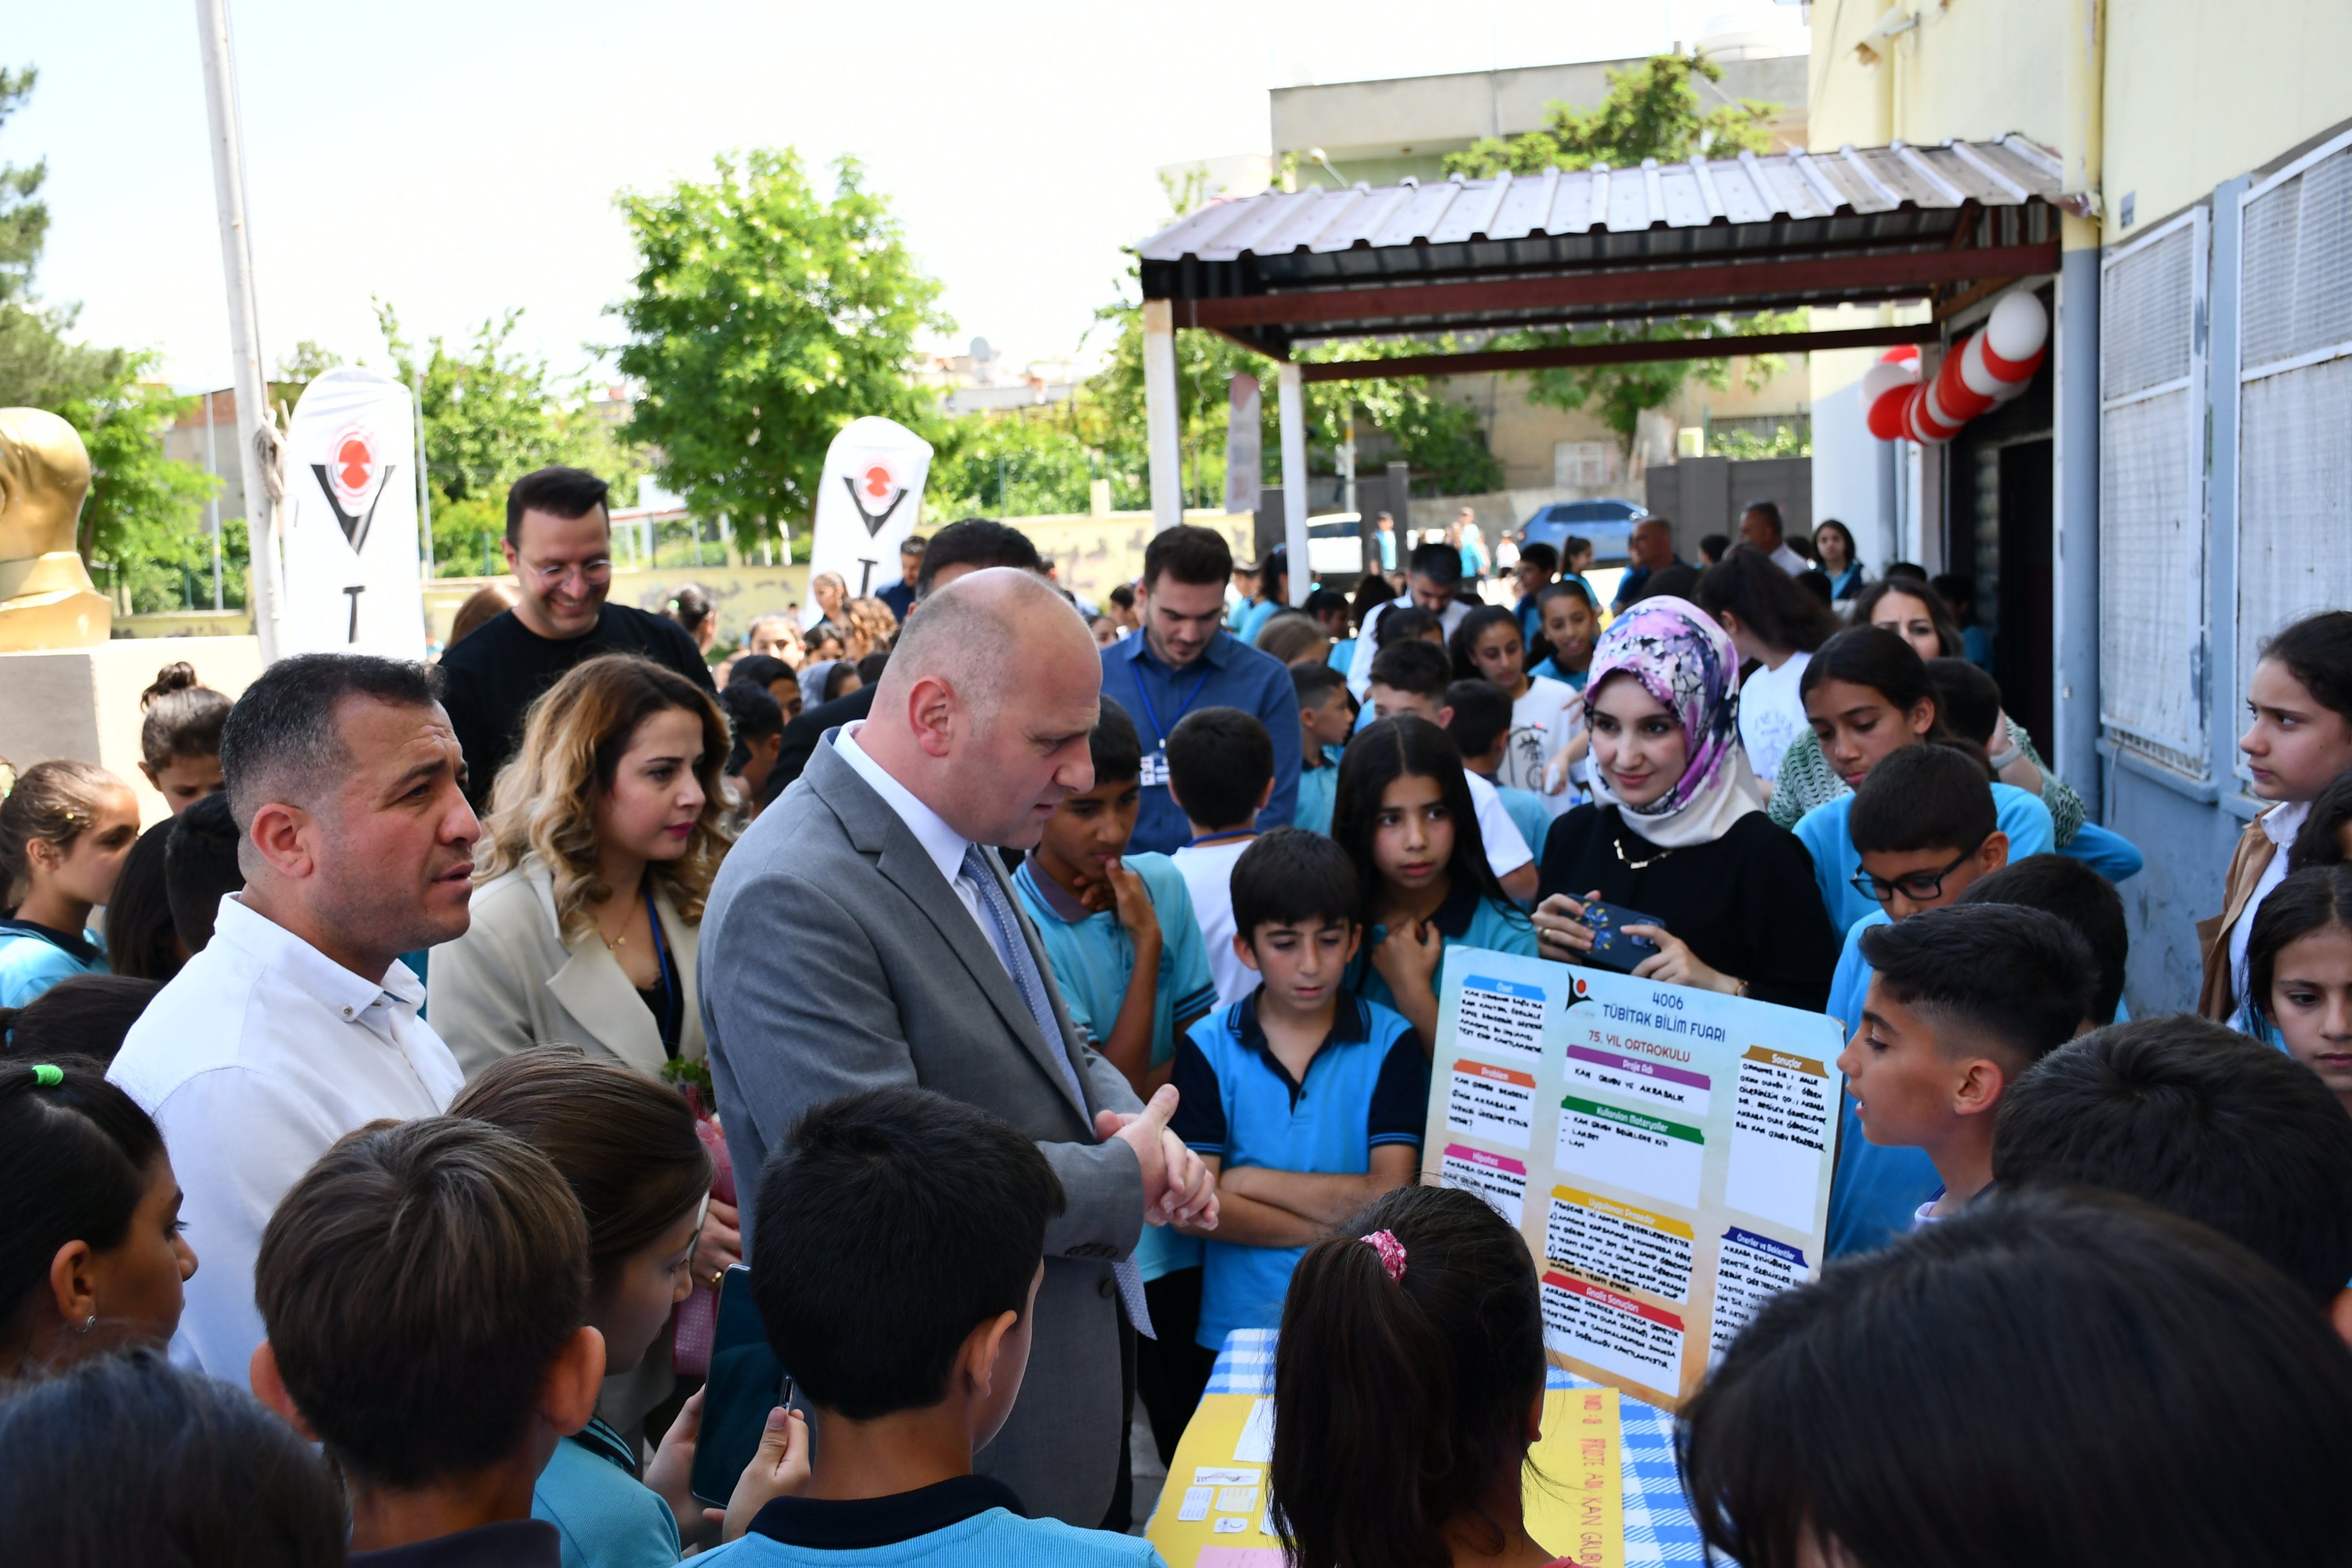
1677	829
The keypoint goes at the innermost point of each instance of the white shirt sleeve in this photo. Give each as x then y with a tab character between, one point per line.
1359	664
1507	848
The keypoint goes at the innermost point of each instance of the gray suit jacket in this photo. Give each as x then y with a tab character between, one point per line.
835	958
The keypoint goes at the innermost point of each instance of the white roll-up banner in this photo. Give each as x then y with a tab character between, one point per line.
352	581
868	501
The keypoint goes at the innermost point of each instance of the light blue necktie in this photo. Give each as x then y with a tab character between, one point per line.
1013	947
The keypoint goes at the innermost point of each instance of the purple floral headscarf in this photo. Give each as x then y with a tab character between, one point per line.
1686	662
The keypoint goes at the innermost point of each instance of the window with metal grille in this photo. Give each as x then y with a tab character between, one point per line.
2294	419
1583	465
2152	494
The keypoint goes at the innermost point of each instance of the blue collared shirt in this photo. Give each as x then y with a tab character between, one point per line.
1228	673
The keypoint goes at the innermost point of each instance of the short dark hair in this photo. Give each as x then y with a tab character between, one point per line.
81	1015
1416	667
127	1458
1117	749
1575	585
870	668
1314	684
200	868
1541	556
1322	601
558	491
1187	553
2078	895
284	736
761	670
2012	976
442	1246
1679	580
1219	760
1482	715
1713	548
1290	877
1440	562
2195	1118
2028	1333
2318	652
1770	512
1922	798
891	1224
1957	592
1969	699
78	1155
1406	623
979	542
752	714
912	544
1123	596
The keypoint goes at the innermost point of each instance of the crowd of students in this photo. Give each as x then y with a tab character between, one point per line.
396	1024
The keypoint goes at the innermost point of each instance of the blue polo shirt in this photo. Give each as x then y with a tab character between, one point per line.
1367	1084
34	958
1252	620
1823	830
1094	959
1318	792
606	1516
1549	670
1466	919
1228	673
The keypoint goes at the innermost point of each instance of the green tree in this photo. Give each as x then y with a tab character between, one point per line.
1652	110
1021	463
766	316
490	416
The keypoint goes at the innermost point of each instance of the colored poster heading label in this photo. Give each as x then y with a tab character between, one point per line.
1603	1296
1507	987
1495	1074
1481	1157
1765	1244
1782	1059
1625	1211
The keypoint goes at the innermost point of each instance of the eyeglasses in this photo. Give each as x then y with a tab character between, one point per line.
1918	886
592	572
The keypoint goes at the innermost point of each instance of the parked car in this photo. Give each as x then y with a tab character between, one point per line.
1334	544
1608	524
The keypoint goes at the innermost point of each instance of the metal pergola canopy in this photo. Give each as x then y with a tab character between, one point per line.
1567	250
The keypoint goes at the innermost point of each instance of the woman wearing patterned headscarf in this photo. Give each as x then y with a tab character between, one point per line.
1677	829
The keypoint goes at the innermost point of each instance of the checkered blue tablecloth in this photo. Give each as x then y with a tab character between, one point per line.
1658	1524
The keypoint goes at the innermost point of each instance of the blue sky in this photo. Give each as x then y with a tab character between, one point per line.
459	160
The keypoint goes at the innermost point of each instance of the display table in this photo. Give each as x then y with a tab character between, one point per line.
1217	1475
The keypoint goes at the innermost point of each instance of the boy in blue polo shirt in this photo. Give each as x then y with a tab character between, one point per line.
1129	958
902	1240
1306	1100
1326	717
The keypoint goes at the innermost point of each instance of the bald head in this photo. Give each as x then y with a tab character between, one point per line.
985	706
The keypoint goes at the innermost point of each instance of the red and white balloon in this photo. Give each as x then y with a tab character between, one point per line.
1990	368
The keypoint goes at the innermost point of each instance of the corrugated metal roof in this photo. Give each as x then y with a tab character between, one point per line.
1752	188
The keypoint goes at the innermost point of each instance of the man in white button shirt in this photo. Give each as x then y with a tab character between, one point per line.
1761	526
864	932
297	1023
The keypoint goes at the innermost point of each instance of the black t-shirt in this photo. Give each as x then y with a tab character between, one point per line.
1746	902
495	675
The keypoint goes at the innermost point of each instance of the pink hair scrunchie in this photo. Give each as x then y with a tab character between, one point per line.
1392	1251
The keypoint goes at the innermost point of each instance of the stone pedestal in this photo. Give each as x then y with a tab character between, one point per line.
83	703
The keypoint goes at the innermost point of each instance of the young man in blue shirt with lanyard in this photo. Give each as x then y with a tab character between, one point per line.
1185	659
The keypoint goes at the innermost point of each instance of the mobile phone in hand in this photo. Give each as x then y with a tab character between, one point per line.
746	1382
1611	947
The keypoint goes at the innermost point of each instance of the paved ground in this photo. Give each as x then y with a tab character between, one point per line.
1150	1471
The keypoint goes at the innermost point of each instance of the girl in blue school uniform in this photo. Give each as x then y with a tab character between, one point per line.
65	831
1404	815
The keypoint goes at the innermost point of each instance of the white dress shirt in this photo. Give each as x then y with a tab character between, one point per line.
257	1057
1208	872
1359	664
1507	847
2280	824
1789	560
941	843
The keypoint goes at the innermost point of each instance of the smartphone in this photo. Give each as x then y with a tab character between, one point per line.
1611	947
746	1382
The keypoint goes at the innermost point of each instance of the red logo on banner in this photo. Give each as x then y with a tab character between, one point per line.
353	470
877	482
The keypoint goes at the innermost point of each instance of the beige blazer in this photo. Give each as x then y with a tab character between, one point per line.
510	983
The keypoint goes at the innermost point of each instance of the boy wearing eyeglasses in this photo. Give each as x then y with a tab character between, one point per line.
1926	827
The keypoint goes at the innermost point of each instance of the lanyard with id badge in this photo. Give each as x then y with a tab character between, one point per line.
1155	761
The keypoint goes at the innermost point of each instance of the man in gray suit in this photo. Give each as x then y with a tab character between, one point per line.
863	933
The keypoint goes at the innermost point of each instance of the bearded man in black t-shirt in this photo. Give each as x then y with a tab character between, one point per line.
558	545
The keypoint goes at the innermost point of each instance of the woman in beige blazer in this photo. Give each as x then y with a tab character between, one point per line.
604	836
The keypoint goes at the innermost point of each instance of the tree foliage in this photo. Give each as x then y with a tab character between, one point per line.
490	416
1020	463
1652	110
764	318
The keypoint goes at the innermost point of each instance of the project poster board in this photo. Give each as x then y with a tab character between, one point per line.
1213	1511
352	579
868	499
1667	1152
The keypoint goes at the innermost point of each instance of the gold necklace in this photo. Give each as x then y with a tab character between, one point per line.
1618	844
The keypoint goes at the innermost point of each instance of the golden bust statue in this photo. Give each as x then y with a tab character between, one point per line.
47	600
